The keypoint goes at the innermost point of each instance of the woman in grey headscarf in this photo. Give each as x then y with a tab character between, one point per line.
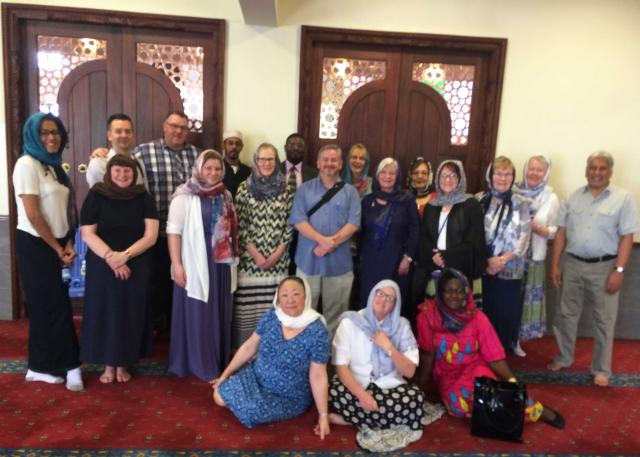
263	203
374	351
452	231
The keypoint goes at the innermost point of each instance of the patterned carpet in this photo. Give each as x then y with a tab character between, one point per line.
159	415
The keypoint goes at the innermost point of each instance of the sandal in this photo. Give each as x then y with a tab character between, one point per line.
556	422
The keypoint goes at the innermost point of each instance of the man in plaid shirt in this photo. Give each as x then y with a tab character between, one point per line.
166	164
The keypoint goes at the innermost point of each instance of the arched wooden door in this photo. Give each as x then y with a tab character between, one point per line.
423	126
363	119
84	110
414	121
402	95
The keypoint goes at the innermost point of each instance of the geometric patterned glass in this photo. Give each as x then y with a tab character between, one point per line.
455	84
57	56
340	78
184	67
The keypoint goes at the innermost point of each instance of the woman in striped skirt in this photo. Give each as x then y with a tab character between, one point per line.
263	203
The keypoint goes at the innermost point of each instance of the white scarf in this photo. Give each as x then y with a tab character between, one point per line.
307	316
194	251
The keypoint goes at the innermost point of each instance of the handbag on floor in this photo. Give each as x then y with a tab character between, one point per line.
498	409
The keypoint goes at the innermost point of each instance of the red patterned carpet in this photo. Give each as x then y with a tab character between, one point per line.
159	412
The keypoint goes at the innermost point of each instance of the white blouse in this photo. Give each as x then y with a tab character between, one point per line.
549	205
351	347
31	177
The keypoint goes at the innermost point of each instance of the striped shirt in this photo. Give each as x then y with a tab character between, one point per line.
165	169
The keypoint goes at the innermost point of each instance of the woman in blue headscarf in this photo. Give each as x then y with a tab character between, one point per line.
389	234
357	170
374	351
507	228
47	219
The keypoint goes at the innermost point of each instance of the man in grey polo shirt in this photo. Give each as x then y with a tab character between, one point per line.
595	229
323	255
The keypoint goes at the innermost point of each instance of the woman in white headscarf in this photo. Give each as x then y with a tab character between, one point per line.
374	351
291	350
544	208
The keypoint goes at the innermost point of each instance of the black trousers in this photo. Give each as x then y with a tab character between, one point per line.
53	344
161	293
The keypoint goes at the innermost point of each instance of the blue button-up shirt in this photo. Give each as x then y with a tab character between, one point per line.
342	209
595	224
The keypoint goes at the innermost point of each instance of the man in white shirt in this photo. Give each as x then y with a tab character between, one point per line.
120	134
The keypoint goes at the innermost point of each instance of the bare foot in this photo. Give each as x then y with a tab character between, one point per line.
553	366
122	374
601	380
108	376
337	419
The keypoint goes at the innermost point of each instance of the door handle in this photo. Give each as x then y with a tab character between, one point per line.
66	167
82	168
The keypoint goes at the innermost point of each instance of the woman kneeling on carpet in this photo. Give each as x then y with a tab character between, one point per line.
373	351
291	349
458	343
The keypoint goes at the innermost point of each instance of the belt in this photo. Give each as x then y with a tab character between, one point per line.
604	258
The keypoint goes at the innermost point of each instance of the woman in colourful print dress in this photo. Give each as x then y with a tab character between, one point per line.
457	344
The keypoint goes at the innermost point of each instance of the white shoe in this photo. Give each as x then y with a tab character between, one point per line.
33	376
517	350
74	380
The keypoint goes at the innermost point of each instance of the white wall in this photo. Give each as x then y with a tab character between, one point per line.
570	83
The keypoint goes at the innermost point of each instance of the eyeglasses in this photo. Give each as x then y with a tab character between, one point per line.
449	177
265	159
46	133
503	175
178	126
386	297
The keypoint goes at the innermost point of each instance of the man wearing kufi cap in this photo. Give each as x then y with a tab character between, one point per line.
235	171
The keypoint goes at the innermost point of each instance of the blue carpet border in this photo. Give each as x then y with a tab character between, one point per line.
41	452
570	378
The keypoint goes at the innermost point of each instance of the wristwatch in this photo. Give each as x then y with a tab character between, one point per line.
620	269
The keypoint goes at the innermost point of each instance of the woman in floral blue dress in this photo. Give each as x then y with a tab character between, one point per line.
291	348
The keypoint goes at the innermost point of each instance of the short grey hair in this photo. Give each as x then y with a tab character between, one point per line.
385	163
327	147
601	155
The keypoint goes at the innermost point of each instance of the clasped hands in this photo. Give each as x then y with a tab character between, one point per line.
326	245
67	254
381	340
117	261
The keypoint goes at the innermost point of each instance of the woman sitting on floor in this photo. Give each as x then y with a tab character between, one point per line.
373	351
458	344
291	349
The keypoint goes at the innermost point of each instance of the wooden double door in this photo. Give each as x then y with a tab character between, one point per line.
101	70
449	113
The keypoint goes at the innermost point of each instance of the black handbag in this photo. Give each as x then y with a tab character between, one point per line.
498	409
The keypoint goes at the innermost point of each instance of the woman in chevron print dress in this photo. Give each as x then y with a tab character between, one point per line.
263	203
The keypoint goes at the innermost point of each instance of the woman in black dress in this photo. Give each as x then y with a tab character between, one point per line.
119	224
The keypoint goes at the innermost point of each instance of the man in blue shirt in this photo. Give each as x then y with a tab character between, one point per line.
595	229
323	255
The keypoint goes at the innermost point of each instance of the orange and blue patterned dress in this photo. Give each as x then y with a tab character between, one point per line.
461	357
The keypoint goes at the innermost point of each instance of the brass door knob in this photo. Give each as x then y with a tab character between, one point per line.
82	168
66	167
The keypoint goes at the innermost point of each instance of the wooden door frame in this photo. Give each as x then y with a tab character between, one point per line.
14	18
493	49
